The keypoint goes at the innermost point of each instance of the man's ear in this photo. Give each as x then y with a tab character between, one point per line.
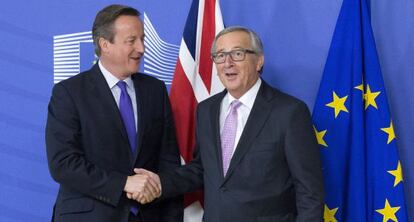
260	62
104	45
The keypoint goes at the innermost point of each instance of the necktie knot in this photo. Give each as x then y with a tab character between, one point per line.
122	85
235	105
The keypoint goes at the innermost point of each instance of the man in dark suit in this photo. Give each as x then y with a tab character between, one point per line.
256	153
107	121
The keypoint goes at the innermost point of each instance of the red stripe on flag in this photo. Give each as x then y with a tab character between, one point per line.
182	96
193	197
208	34
183	104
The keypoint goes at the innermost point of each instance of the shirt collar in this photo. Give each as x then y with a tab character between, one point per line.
248	98
111	79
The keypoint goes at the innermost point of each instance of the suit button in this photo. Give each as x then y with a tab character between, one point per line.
223	189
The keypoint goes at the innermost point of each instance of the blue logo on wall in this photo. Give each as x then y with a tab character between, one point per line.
74	53
68	50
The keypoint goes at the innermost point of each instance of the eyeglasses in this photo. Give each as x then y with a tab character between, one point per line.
235	55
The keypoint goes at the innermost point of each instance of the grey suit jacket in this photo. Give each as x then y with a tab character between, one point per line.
275	173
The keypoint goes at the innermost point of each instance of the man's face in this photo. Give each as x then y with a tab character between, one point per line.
238	76
123	56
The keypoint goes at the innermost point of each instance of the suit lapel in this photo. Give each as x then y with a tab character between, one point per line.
141	98
215	120
257	118
100	89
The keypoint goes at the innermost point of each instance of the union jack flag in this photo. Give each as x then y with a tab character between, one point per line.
194	80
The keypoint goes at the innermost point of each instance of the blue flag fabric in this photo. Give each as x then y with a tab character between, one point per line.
362	171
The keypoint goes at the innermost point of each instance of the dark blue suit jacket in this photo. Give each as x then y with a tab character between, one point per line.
89	154
275	173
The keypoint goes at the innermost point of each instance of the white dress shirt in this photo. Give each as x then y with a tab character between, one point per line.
243	111
116	91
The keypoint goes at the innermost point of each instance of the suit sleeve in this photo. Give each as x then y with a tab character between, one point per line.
172	208
186	178
66	154
303	158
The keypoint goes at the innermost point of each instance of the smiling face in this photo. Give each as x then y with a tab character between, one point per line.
238	76
123	55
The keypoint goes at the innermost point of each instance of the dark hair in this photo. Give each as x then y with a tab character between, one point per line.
104	21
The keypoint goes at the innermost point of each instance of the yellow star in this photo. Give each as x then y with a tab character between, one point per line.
360	87
338	104
329	215
390	131
370	98
319	136
397	173
388	212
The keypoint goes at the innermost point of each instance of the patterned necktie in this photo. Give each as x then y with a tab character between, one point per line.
228	135
127	113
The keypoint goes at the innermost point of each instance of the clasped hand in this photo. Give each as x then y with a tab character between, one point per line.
143	187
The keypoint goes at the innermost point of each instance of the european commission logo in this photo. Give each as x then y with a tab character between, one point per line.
74	53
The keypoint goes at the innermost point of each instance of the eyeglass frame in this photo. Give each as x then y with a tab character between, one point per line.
229	53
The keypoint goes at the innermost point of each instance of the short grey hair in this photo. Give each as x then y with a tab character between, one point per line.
256	43
104	22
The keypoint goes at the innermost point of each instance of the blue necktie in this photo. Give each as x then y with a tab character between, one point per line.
127	113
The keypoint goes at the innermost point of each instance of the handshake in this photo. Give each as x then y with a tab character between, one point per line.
143	187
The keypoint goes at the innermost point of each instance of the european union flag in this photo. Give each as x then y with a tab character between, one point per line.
361	166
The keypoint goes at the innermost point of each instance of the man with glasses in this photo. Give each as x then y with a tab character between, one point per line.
256	153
